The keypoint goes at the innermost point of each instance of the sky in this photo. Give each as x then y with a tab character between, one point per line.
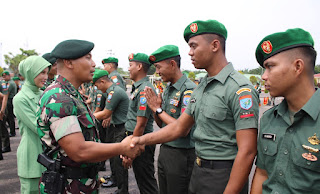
118	28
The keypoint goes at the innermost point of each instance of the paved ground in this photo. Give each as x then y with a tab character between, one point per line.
9	181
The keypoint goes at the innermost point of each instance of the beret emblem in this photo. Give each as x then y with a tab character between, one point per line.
131	56
194	27
152	58
266	47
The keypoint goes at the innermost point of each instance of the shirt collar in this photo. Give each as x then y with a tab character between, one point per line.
222	75
138	83
178	85
312	107
71	89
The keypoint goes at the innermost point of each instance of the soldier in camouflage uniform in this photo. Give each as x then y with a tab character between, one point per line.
67	127
53	69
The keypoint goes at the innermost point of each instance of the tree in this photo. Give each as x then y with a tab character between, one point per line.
253	79
317	69
192	76
13	60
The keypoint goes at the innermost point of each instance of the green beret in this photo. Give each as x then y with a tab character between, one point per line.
98	74
72	49
139	57
163	53
49	58
6	73
205	27
110	60
15	78
281	41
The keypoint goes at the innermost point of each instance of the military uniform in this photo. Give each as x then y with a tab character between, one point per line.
176	158
118	102
48	82
143	166
115	77
5	141
220	106
62	107
12	89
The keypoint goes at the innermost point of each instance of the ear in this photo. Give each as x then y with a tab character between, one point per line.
140	66
68	63
215	45
299	66
172	63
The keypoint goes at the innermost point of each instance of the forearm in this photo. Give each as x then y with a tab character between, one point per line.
166	118
4	103
101	115
157	120
260	176
240	171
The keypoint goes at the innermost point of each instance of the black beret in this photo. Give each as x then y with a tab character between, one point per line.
49	58
72	49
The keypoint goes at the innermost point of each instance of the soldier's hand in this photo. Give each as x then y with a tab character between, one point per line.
131	151
154	101
1	115
106	122
126	162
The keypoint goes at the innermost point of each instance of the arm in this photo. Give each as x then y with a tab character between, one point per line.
140	126
98	109
25	113
181	127
260	176
103	114
247	149
4	105
88	151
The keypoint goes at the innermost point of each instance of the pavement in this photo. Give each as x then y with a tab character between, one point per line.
9	180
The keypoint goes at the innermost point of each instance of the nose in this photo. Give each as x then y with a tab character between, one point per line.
93	64
190	52
265	75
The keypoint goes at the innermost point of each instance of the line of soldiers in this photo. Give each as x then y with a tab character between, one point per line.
209	133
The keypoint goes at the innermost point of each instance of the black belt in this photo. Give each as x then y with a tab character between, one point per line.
117	125
79	173
214	164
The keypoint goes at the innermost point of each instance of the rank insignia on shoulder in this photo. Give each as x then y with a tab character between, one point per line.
243	90
245	102
188	92
269	136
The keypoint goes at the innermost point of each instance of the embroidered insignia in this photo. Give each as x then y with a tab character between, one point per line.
4	85
143	100
194	27
245	102
182	110
246	114
186	100
142	107
265	100
110	96
266	47
99	97
102	62
314	140
174	102
188	92
269	136
173	110
130	56
178	93
114	79
152	58
243	90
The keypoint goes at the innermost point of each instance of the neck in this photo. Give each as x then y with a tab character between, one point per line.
51	76
140	77
176	76
299	95
216	65
71	78
112	70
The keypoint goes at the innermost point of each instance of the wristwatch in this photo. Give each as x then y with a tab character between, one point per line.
159	111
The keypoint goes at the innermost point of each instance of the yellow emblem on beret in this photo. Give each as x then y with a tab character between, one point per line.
194	27
266	47
152	58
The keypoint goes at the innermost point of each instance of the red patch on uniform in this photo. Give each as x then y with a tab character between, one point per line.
142	108
266	47
118	83
142	93
194	27
246	115
182	110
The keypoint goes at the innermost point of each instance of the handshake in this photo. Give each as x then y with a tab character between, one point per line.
133	146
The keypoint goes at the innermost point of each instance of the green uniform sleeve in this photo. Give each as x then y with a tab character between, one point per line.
4	88
143	109
113	100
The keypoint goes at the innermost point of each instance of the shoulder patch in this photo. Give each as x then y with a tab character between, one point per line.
243	90
114	79
186	99
110	96
245	102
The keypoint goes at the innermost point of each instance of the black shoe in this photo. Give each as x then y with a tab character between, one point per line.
12	135
107	177
109	183
1	157
6	149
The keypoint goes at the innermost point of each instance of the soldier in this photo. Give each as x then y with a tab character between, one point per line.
225	108
140	121
12	91
67	127
5	141
116	107
288	143
17	82
53	68
176	158
35	70
111	65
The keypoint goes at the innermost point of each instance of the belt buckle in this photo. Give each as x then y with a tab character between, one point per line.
198	161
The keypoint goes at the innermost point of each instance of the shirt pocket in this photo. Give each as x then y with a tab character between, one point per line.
216	113
305	173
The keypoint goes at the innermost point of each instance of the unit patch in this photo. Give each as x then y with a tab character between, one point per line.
110	96
114	79
243	90
186	99
245	102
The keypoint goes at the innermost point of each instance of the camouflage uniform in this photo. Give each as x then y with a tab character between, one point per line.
63	111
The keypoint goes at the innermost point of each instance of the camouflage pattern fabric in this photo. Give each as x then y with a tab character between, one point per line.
63	111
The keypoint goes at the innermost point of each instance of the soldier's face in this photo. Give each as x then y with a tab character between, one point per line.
84	68
133	69
164	69
41	79
6	77
107	66
200	52
279	74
